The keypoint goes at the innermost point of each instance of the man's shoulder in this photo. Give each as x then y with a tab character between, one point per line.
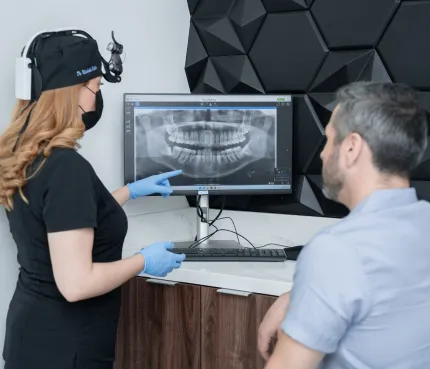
347	231
335	234
332	243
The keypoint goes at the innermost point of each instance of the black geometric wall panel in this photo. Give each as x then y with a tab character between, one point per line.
237	74
307	196
352	23
343	67
211	8
247	17
192	5
209	81
404	46
288	51
323	104
308	49
308	134
196	57
219	36
286	5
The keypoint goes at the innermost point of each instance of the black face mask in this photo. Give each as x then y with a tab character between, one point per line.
90	118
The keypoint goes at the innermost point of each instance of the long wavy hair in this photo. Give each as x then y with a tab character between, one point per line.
54	122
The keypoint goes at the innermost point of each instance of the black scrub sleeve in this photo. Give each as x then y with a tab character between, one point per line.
71	197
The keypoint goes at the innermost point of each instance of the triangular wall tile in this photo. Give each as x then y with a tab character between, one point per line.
209	81
375	70
237	74
247	17
307	196
323	104
192	4
308	134
196	57
343	67
219	36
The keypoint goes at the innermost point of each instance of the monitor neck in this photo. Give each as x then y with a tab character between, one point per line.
203	227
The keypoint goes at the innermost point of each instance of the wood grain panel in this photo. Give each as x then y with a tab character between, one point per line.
230	326
159	326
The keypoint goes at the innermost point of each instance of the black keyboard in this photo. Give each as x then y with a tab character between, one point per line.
230	254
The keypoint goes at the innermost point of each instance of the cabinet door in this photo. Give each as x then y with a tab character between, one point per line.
229	329
159	326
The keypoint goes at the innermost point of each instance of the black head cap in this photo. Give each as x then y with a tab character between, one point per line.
64	61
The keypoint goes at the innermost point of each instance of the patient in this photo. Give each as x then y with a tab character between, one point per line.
361	293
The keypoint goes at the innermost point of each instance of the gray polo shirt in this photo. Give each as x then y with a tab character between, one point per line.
361	290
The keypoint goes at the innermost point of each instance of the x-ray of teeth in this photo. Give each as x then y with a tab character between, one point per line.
205	143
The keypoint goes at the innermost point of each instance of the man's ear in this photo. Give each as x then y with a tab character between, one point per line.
352	148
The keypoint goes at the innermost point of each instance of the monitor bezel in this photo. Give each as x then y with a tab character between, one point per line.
221	191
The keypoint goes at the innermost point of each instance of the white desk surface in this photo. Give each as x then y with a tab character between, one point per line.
272	278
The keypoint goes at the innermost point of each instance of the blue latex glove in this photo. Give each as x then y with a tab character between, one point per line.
159	261
158	183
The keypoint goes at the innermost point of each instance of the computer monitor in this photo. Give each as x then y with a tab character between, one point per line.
224	144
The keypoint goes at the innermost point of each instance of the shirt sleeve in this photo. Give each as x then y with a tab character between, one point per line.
71	196
328	294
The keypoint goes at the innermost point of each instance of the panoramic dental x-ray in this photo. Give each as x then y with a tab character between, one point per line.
204	143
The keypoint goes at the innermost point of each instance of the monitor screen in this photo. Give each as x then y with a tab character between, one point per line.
224	144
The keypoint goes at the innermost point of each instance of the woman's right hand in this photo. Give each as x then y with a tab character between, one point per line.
159	261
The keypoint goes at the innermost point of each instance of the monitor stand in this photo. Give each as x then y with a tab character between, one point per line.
203	231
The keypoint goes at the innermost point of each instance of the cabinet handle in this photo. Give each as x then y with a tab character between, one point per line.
162	281
234	292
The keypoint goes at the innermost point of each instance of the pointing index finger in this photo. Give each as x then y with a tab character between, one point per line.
163	176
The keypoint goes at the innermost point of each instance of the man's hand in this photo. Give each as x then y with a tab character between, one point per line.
271	323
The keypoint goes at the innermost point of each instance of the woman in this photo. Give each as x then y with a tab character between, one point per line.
68	228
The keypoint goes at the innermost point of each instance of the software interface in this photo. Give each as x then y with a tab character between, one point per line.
223	143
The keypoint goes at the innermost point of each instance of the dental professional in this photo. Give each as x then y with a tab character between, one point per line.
68	228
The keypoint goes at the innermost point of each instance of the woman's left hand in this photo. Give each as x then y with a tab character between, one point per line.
158	183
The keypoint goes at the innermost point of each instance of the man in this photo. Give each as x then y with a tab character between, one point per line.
361	293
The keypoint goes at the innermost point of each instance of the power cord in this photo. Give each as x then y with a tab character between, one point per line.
234	226
200	212
201	215
217	218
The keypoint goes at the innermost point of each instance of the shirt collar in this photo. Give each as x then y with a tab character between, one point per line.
385	199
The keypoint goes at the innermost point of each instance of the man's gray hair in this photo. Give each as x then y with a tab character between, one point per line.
389	118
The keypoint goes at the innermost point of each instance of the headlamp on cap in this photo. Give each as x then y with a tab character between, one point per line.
61	58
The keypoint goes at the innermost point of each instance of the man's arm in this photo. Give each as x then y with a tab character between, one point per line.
329	294
290	354
271	323
122	195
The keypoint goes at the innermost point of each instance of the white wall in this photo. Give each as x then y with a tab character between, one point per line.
154	33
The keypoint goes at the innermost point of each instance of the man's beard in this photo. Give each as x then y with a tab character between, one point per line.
332	178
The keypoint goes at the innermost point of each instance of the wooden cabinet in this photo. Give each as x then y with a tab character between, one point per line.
186	326
159	326
229	329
